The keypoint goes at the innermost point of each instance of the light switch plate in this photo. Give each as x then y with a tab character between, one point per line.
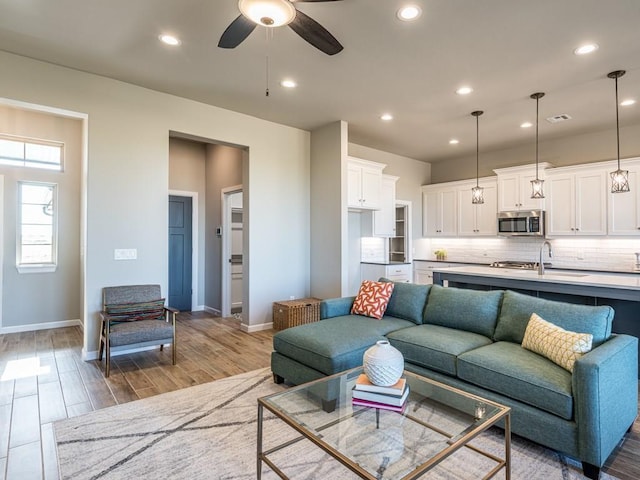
125	254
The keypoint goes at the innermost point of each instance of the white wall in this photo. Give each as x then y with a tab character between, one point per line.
127	181
41	298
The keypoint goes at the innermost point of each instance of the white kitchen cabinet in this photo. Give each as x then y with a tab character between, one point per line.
478	219
423	271
577	201
623	216
439	213
364	184
397	272
382	222
514	187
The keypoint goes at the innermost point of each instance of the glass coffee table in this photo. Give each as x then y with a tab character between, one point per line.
437	422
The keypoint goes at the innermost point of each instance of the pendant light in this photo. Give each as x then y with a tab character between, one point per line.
537	184
619	178
477	192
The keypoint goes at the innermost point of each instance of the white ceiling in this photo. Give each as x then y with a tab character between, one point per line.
504	49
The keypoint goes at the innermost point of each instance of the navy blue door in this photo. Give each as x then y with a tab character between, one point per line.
180	252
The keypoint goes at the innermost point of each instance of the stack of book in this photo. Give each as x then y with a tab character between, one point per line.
367	394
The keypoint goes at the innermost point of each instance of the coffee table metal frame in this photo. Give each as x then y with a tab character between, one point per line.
455	443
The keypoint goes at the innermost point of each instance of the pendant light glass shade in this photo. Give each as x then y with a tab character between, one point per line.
537	185
268	13
619	178
477	192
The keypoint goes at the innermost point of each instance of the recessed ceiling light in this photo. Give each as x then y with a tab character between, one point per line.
170	40
454	141
585	49
464	90
526	125
627	102
288	83
386	117
409	12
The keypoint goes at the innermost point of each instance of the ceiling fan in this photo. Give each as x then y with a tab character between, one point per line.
276	13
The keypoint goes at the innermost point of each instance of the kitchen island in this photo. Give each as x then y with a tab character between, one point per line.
610	286
620	291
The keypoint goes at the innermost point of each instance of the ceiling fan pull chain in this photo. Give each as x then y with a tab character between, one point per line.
266	92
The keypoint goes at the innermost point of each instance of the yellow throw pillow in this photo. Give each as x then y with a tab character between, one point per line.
557	344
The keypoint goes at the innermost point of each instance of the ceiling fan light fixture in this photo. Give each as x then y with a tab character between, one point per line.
268	13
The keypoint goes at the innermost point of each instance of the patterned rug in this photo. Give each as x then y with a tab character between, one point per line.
209	432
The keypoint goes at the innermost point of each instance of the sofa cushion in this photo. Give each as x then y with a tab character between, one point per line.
508	369
517	309
462	309
435	347
407	301
557	344
335	344
372	299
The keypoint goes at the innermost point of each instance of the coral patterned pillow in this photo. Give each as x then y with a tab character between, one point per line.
372	299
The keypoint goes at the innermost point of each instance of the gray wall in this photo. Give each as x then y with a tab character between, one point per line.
187	161
329	234
223	169
587	148
127	182
35	298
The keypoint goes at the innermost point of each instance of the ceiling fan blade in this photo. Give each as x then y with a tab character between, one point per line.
236	32
315	34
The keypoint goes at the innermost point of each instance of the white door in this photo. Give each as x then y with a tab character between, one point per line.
235	258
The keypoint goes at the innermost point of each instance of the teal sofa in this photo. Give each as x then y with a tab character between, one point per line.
472	340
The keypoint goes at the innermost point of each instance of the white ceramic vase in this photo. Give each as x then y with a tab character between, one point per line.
383	364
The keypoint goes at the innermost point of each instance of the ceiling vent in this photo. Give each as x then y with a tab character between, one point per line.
563	117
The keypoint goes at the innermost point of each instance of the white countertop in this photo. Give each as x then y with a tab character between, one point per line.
624	281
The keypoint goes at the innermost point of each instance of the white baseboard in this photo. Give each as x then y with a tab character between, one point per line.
256	328
215	311
199	308
41	326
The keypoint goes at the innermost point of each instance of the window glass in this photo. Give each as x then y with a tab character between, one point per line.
19	152
37	231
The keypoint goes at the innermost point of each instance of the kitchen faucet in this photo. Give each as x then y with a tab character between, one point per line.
541	263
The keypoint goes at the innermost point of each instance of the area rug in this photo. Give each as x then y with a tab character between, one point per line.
209	432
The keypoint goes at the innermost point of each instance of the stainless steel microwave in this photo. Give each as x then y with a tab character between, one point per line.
528	223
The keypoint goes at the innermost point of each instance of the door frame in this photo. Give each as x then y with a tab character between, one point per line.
195	246
225	281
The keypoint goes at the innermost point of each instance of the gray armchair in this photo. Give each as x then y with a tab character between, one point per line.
135	316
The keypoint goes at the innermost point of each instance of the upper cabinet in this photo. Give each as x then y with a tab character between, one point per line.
514	187
364	184
382	222
577	200
478	219
624	208
439	215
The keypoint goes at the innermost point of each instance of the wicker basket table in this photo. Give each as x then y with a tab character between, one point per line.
291	313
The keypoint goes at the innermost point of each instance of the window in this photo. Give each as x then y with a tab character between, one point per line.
37	205
23	152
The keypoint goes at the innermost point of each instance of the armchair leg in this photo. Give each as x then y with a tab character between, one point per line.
108	359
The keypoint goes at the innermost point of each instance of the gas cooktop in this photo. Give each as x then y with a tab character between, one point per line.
513	264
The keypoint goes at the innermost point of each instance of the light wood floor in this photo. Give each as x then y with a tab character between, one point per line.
53	383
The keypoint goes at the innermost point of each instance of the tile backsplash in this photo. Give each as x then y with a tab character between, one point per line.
584	253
